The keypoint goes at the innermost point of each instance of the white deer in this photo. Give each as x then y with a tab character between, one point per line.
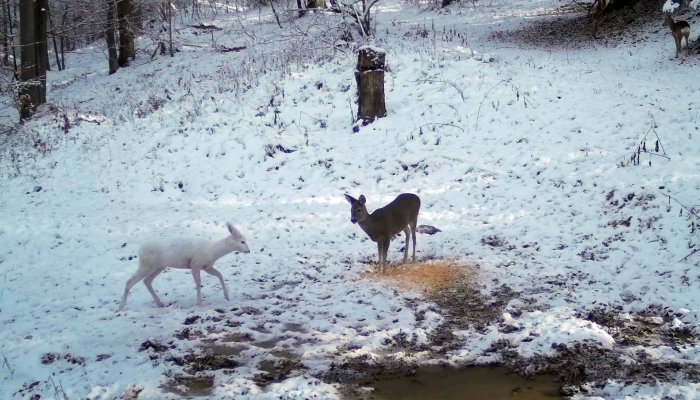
185	253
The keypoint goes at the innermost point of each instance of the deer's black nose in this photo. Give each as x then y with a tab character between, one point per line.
353	220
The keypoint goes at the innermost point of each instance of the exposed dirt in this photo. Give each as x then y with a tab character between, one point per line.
573	28
575	366
451	287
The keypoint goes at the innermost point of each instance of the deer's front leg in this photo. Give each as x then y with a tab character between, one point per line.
198	282
380	250
385	250
407	232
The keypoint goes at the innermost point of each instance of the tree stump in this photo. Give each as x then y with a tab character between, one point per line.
370	83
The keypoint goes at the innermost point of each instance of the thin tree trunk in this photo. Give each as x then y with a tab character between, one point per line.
5	35
14	52
55	44
42	48
277	18
112	54
126	33
300	6
29	95
64	40
170	29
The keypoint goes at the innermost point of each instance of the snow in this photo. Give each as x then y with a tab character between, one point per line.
528	147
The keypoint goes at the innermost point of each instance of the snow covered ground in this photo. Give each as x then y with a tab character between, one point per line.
520	154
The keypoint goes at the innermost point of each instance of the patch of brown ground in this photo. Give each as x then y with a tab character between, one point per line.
453	287
428	277
573	28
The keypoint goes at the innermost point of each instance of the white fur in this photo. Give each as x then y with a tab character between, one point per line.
185	253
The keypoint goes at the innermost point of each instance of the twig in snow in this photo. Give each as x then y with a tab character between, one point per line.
58	389
6	363
442	124
659	150
225	49
459	91
691	253
277	17
507	82
690	210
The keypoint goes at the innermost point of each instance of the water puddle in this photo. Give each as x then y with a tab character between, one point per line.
444	383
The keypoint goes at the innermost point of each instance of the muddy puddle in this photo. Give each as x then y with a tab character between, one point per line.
475	383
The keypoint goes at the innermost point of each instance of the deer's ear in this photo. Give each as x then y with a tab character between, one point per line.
230	227
362	199
350	199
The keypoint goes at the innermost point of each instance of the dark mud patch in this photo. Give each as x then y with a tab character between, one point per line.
277	370
296	328
189	386
575	366
224	349
238	337
197	368
463	306
267	344
451	287
206	361
652	326
583	365
573	28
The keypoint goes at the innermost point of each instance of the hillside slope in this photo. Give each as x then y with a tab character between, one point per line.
521	156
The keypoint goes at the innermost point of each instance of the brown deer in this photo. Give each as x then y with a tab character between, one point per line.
679	30
381	225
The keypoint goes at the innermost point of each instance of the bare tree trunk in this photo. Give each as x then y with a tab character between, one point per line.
300	6
14	52
52	26
127	48
42	48
110	38
170	28
366	22
64	43
30	92
5	21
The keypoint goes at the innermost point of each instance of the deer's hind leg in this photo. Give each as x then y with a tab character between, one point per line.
197	282
141	273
